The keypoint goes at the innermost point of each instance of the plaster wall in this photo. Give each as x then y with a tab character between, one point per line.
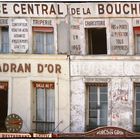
20	89
120	76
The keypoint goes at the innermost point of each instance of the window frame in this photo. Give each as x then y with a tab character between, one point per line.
44	31
89	43
136	128
87	110
136	33
34	111
1	48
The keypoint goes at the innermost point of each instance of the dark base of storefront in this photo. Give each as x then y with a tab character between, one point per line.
99	133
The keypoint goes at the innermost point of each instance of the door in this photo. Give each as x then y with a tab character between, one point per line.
3	104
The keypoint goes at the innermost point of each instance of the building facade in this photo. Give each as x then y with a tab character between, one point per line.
70	67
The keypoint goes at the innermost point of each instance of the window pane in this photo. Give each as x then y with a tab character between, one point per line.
103	89
93	121
103	111
50	43
39	42
93	114
103	121
103	97
137	97
93	105
40	104
50	106
4	40
93	89
137	121
44	42
138	113
137	88
93	97
137	105
138	43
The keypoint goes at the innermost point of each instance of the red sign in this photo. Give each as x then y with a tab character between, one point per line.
103	132
43	85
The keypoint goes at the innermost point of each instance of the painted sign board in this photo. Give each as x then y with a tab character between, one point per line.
94	9
19	35
90	23
119	37
101	9
42	22
75	37
32	9
3	21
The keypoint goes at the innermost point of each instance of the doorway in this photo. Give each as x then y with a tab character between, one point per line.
3	104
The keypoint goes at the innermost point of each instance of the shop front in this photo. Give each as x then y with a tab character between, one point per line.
36	89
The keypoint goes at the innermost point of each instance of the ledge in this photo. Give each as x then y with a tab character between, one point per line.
34	56
104	57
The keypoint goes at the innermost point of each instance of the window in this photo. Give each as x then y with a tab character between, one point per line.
137	40
43	40
4	104
137	107
96	41
45	107
4	39
97	105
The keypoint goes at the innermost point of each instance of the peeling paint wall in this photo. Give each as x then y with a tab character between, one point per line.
77	105
121	103
120	77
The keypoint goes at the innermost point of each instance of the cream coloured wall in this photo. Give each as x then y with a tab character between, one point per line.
20	87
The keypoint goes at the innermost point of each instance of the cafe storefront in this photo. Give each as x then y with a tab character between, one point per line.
36	89
70	68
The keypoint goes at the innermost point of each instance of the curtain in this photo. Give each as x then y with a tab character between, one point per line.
5	40
43	40
45	113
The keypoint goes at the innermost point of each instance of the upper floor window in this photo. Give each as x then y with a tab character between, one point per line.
43	40
97	105
4	40
96	41
137	107
137	40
